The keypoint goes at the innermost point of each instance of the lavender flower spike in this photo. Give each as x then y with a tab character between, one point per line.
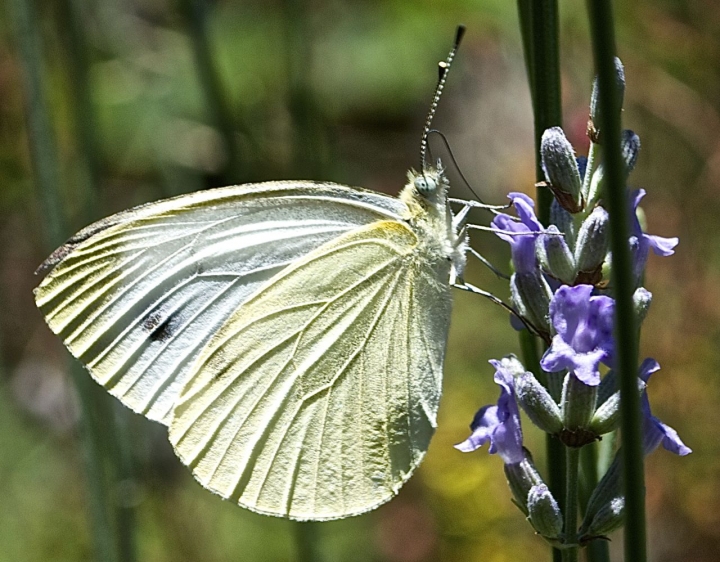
584	333
654	431
499	424
524	233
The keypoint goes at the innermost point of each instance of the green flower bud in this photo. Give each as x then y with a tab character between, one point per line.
607	416
561	170
540	407
577	406
555	256
521	477
607	519
592	242
630	144
641	301
531	295
619	85
563	221
544	513
607	492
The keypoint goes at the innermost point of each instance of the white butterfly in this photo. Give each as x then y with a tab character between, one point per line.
291	335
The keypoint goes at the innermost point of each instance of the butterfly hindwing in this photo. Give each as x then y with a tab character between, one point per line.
137	296
317	398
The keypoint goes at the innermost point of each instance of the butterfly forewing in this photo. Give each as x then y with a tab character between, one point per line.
317	398
136	297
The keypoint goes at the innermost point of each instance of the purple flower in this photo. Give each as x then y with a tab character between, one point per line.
499	424
641	243
584	333
524	233
654	431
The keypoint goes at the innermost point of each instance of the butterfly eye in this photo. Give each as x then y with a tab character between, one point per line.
425	185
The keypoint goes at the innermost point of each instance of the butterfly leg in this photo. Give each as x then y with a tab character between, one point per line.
477	291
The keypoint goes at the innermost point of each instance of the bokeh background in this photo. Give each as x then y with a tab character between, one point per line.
151	98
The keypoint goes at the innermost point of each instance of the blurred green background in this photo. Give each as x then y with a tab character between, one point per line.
151	98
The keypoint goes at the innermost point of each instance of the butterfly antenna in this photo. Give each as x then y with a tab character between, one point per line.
443	68
455	163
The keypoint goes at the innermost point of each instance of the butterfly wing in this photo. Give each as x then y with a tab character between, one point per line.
136	296
318	397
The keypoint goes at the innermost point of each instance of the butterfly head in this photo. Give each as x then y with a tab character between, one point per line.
429	186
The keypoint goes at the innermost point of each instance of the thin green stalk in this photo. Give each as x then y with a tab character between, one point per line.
603	43
195	14
46	172
572	457
40	136
83	108
308	149
526	29
115	443
540	35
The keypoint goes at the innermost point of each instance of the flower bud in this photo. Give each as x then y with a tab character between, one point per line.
521	477
512	365
560	167
607	491
608	518
540	407
592	241
577	403
563	221
544	513
554	256
630	144
607	416
531	295
619	85
641	302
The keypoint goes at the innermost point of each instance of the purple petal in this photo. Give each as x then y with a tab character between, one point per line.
522	241
525	209
482	426
661	246
568	307
647	368
500	425
655	431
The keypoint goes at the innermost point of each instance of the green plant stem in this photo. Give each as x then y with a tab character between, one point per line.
572	457
47	178
541	19
540	35
308	146
195	15
83	108
603	43
115	442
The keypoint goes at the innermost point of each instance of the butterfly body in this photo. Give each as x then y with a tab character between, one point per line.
291	335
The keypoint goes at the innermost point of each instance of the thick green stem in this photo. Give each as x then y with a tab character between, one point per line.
615	196
572	456
195	14
540	34
47	177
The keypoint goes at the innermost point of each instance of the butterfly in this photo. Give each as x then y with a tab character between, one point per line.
290	334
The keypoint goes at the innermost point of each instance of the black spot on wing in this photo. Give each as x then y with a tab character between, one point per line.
160	328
